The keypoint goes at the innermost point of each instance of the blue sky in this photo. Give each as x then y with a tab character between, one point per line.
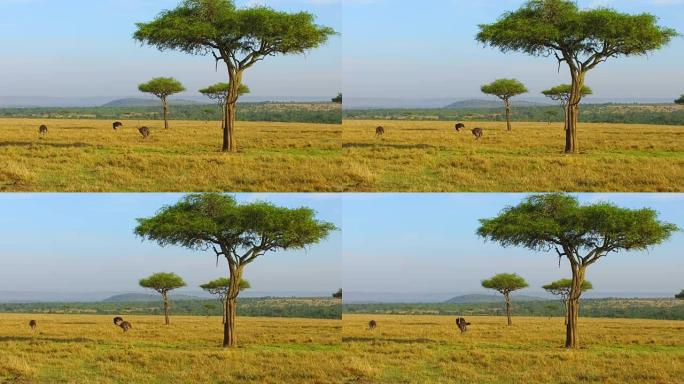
427	49
82	48
404	243
85	243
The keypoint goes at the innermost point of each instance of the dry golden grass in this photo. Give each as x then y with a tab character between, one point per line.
90	349
89	156
430	349
431	156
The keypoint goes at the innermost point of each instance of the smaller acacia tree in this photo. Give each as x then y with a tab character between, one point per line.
338	294
337	99
561	288
163	283
680	100
163	87
220	288
220	92
504	89
562	93
680	295
505	283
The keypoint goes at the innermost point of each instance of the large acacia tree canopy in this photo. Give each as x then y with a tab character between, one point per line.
205	26
545	222
505	282
680	100
200	221
547	27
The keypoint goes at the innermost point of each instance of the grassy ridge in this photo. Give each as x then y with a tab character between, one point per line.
661	309
89	156
660	114
322	113
429	349
419	156
320	308
90	349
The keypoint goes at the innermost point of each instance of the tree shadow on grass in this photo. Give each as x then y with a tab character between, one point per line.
395	146
39	338
387	340
34	143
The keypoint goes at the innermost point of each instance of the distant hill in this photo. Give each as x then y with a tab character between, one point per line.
481	298
145	297
135	102
478	103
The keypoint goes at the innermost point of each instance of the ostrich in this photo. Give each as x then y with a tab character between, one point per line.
372	324
379	131
125	325
478	133
462	324
145	132
33	324
459	126
43	129
117	124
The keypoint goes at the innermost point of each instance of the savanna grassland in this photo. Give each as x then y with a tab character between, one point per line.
90	349
430	349
420	156
89	156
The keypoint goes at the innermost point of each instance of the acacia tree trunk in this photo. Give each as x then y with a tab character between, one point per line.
165	298
507	103
565	302
229	339
507	297
571	335
223	309
230	110
165	110
571	144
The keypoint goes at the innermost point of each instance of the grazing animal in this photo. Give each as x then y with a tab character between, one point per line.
478	133
379	131
118	320
33	325
43	129
145	132
462	324
117	124
372	324
125	325
459	126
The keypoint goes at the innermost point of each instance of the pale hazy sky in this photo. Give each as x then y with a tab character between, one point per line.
426	243
427	49
85	243
83	48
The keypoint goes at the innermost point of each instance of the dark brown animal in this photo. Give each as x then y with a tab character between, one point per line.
459	126
118	320
462	324
125	325
117	124
145	132
372	324
478	133
33	325
379	131
43	129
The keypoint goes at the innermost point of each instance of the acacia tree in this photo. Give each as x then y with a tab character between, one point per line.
680	295
337	99
561	288
338	294
581	38
220	288
241	233
562	94
163	283
219	93
680	100
163	87
238	37
505	283
504	89
583	234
